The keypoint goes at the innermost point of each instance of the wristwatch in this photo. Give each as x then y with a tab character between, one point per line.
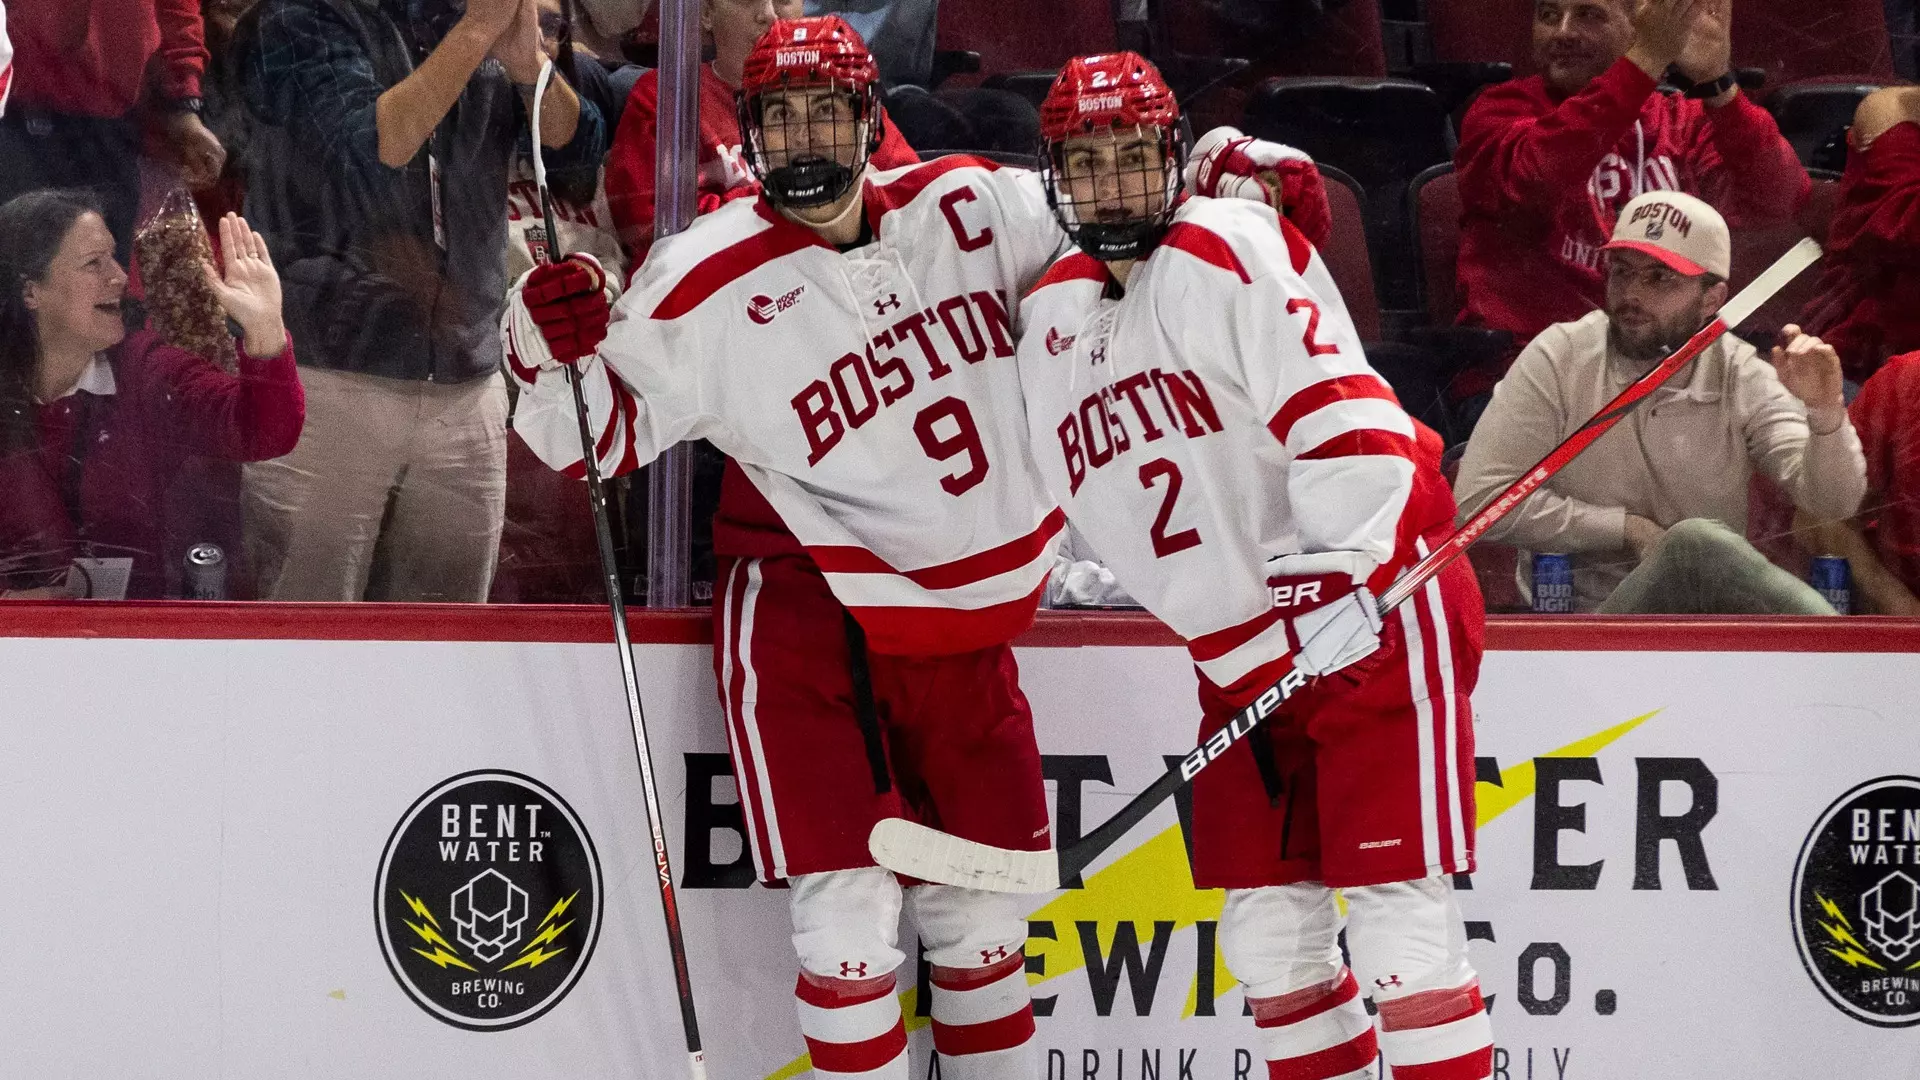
1709	90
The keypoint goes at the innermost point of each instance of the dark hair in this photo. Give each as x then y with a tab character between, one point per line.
32	228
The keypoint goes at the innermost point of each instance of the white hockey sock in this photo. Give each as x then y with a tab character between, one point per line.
983	1021
1438	1035
1322	1033
853	1027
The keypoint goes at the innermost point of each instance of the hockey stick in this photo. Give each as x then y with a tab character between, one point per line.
908	847
617	604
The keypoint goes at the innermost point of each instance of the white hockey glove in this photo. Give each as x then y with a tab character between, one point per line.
557	313
1332	619
1227	164
1084	583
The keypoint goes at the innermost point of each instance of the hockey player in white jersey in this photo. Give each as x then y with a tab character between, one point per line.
1199	403
883	533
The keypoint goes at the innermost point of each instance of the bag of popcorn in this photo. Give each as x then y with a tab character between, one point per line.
170	247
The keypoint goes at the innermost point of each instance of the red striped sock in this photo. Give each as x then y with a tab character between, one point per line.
853	1027
983	1021
1438	1035
1322	1033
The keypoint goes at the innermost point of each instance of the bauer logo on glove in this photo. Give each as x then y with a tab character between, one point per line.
1332	619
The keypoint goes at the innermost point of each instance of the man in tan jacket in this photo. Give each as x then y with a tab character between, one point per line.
1654	513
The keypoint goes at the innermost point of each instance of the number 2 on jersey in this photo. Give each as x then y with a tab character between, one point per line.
965	440
1164	545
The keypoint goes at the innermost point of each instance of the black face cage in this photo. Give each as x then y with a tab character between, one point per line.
1116	239
818	175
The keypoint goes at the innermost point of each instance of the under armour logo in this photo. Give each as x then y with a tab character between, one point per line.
1388	982
1099	354
891	303
988	956
852	971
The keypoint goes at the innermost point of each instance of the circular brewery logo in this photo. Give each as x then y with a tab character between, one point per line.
488	901
1856	902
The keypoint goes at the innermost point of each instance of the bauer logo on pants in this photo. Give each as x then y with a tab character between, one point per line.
1856	902
488	901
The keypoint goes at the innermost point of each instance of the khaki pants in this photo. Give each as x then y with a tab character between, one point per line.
396	491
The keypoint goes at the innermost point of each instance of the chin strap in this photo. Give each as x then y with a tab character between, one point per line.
854	206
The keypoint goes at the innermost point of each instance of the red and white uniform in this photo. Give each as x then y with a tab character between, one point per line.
871	407
1218	415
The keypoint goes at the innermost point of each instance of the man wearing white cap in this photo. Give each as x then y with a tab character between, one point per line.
1654	514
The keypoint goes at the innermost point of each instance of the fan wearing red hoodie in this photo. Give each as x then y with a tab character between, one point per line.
82	74
1869	303
96	423
734	26
1546	162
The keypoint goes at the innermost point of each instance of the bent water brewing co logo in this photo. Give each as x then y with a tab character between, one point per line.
1856	902
489	900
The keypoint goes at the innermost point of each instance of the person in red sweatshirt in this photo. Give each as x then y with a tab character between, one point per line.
96	423
1869	302
86	77
734	26
1546	162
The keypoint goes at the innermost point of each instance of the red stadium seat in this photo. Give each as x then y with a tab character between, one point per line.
1813	113
1029	36
1435	199
1792	40
1483	31
1346	252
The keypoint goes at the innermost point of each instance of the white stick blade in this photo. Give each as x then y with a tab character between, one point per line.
1772	280
908	847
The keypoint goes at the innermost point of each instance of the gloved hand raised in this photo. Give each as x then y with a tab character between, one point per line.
557	313
1332	618
1227	164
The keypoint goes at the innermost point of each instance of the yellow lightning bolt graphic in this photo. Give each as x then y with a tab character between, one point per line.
546	935
1833	909
421	910
429	935
1156	873
559	909
442	957
1855	958
534	959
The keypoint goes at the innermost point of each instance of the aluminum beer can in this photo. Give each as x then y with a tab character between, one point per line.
1833	579
1552	583
206	572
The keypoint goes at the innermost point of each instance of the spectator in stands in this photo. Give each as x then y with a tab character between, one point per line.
94	422
734	26
383	140
86	78
1869	303
1654	513
1545	162
1882	543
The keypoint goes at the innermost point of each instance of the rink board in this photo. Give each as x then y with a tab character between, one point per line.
198	809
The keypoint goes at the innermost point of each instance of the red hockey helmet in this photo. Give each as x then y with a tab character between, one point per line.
806	151
1111	195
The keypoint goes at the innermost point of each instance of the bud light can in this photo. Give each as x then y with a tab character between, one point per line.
1552	583
206	572
1833	579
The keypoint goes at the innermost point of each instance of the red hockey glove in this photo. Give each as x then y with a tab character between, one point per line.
557	314
1229	165
1332	619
